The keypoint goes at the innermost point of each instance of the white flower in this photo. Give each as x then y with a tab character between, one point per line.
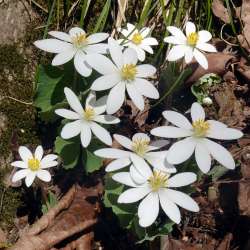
75	45
86	119
33	165
138	40
189	46
141	152
122	75
196	140
207	101
157	190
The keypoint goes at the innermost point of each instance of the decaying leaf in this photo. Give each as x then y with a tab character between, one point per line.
218	63
220	11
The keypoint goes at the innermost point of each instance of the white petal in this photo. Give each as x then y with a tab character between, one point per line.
135	96
157	144
220	154
176	52
173	40
171	132
71	129
112	153
223	133
124	141
190	28
53	45
100	48
189	55
25	153
48	158
30	177
170	209
140	136
177	33
131	27
19	164
44	175
97	37
73	100
182	200
39	153
181	151
133	194
148	210
48	164
141	166
101	133
216	124
201	58
80	64
147	48
150	41
60	35
100	105
63	57
124	178
182	179
68	114
145	70
144	31
197	112
85	135
117	164
146	88
204	36
130	56
177	119
116	98
101	64
106	82
106	119
124	32
202	157
76	31
140	52
136	176
115	52
90	100
20	175
206	47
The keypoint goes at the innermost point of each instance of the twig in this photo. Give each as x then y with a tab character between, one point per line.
14	99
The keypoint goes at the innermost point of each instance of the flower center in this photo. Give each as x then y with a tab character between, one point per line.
33	164
137	38
79	40
140	146
88	114
128	72
158	180
192	39
200	127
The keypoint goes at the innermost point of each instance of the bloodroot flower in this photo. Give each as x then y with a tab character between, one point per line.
189	46
122	74
33	165
157	189
86	119
196	141
138	40
75	45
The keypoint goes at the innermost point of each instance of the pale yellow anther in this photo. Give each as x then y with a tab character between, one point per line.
137	38
89	114
158	180
140	146
33	164
128	72
200	127
79	40
192	39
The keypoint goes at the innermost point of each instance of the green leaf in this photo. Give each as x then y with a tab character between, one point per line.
91	161
69	150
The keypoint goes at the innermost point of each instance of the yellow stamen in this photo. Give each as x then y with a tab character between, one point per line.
140	146
89	114
200	128
33	164
158	180
192	39
79	40
128	72
137	38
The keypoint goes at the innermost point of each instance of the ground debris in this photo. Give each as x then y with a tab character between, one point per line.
220	11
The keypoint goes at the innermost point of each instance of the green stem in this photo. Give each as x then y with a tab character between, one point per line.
49	19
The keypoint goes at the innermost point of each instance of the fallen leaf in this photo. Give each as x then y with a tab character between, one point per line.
244	198
220	11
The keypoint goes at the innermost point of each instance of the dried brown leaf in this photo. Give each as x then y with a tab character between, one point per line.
220	11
